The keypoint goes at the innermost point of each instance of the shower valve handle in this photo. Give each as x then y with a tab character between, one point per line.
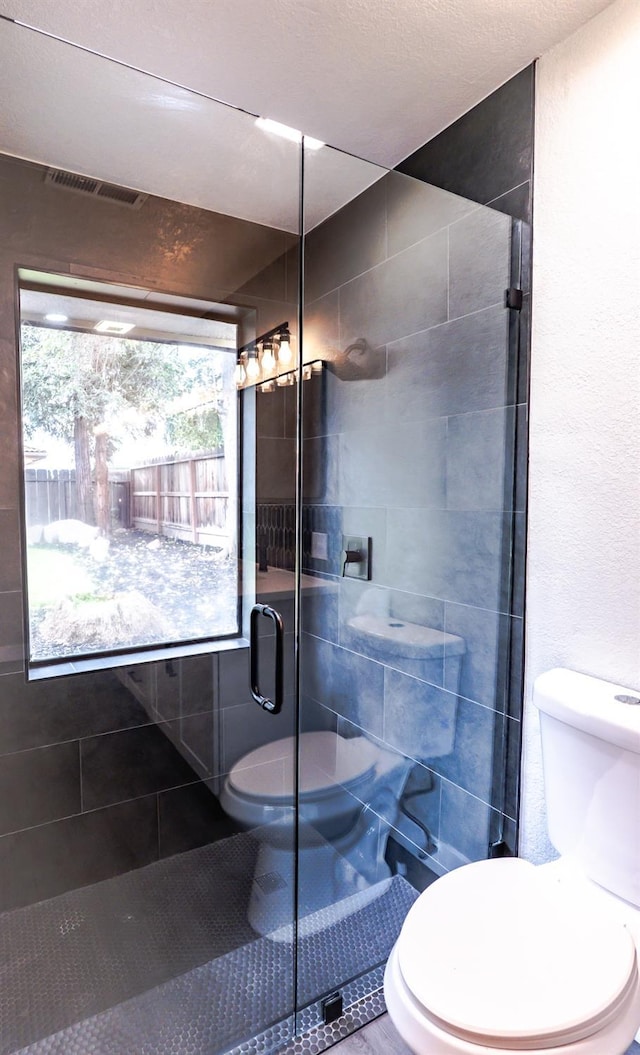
350	556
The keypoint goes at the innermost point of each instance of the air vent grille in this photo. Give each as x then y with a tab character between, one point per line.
132	199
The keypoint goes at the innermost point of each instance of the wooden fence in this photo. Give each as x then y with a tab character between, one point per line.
186	498
50	494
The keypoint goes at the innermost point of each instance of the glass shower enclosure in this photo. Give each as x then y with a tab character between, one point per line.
210	835
411	518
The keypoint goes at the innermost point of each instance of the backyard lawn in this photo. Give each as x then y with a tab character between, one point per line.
145	590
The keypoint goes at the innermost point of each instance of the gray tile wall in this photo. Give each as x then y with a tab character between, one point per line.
93	781
487	154
422	461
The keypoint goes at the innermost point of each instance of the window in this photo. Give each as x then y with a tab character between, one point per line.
129	420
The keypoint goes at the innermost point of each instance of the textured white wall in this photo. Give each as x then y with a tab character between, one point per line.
583	579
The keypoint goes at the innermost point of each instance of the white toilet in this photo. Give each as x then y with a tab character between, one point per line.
338	776
502	956
344	784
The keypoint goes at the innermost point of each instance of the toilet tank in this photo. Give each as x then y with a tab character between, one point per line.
590	732
419	650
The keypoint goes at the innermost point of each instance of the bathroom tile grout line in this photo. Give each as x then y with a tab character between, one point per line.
98	809
107	732
476	207
414	677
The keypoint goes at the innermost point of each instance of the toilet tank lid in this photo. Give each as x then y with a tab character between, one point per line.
409	640
590	704
491	950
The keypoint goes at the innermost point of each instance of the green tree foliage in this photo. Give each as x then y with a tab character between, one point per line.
68	375
88	389
195	430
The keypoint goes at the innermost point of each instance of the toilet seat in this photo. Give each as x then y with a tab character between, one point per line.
496	956
327	761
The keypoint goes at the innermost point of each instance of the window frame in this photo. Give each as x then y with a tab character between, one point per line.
111	658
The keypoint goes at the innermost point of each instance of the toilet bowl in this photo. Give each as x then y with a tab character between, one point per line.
504	956
517	971
333	773
337	777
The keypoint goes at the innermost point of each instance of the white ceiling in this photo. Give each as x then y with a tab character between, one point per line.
376	78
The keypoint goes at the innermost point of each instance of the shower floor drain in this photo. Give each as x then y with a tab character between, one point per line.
269	882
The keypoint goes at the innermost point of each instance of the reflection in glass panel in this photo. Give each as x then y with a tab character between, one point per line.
407	521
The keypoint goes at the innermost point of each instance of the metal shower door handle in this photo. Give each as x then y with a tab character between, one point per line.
273	706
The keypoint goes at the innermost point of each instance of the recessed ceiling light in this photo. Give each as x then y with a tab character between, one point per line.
119	328
286	132
55	316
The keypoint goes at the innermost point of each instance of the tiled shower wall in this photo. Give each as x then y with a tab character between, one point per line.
91	783
421	461
487	154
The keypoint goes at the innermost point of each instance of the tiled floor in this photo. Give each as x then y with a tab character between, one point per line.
381	1038
151	956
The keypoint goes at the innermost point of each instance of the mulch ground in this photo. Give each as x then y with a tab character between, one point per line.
194	587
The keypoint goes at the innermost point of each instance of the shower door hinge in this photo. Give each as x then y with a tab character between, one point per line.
514	298
499	849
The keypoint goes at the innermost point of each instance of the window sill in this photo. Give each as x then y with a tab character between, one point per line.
128	659
272	587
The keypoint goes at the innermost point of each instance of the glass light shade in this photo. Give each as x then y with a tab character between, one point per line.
268	358
241	374
285	353
253	367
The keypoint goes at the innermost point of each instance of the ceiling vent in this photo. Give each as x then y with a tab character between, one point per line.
133	199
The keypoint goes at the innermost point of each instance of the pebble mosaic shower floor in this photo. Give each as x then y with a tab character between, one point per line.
147	962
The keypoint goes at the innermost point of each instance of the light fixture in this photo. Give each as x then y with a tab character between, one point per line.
268	358
55	316
285	354
253	364
241	373
295	136
116	328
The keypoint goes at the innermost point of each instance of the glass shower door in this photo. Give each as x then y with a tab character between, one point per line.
410	614
140	779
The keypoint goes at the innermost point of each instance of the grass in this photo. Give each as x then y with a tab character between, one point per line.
186	592
53	574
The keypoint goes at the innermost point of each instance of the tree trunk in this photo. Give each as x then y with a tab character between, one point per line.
84	498
103	513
